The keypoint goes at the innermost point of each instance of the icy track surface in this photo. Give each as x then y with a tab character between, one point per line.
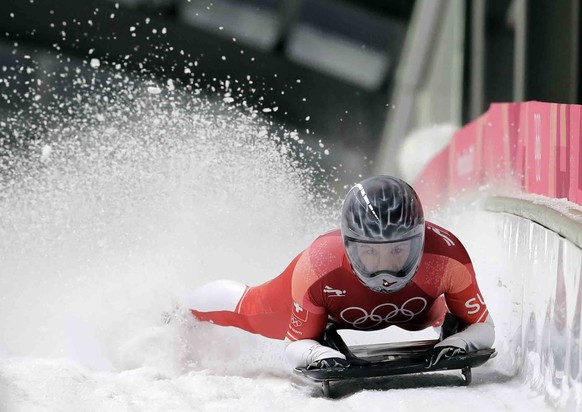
106	223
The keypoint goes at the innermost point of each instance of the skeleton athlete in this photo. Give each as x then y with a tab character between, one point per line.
385	266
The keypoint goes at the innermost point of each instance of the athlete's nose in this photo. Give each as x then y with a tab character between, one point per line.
387	262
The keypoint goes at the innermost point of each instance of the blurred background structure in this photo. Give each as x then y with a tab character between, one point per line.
359	76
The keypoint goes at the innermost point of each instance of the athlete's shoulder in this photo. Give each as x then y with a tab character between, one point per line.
326	253
442	242
322	257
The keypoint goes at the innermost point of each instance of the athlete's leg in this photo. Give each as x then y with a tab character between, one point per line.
220	295
264	309
267	308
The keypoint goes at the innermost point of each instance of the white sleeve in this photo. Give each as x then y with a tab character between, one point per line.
475	337
305	351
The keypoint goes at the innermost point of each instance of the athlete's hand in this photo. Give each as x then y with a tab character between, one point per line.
435	355
328	363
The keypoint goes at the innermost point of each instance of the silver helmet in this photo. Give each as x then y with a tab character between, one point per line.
382	227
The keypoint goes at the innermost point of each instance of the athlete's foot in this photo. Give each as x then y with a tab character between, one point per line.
170	315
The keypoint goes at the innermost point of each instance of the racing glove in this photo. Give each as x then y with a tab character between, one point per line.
436	354
328	363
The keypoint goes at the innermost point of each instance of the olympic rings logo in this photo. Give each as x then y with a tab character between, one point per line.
296	322
383	313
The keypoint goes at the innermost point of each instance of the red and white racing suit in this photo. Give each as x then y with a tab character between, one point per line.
319	286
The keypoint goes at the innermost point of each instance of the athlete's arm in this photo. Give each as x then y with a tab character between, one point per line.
474	337
459	286
305	328
466	302
308	315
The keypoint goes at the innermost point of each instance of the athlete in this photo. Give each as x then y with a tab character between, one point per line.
385	266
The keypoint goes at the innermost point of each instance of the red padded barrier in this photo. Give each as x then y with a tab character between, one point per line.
500	135
433	186
575	192
562	151
536	126
536	143
465	157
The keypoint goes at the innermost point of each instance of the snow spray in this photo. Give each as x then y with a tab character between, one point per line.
117	194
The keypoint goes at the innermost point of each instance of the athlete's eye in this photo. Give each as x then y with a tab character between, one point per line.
370	251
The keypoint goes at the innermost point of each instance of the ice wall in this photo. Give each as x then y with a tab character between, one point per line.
543	291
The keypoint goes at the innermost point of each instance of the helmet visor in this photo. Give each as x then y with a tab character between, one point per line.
387	260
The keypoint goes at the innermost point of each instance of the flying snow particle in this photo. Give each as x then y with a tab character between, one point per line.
45	153
95	63
154	90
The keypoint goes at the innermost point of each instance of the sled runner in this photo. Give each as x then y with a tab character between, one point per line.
389	359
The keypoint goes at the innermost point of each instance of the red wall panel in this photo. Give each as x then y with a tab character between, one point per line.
500	135
536	125
433	187
575	135
465	157
536	144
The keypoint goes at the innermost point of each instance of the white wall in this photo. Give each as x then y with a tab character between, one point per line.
429	80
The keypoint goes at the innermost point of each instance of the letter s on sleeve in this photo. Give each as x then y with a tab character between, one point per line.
474	304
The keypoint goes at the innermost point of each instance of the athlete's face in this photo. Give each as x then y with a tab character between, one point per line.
383	256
